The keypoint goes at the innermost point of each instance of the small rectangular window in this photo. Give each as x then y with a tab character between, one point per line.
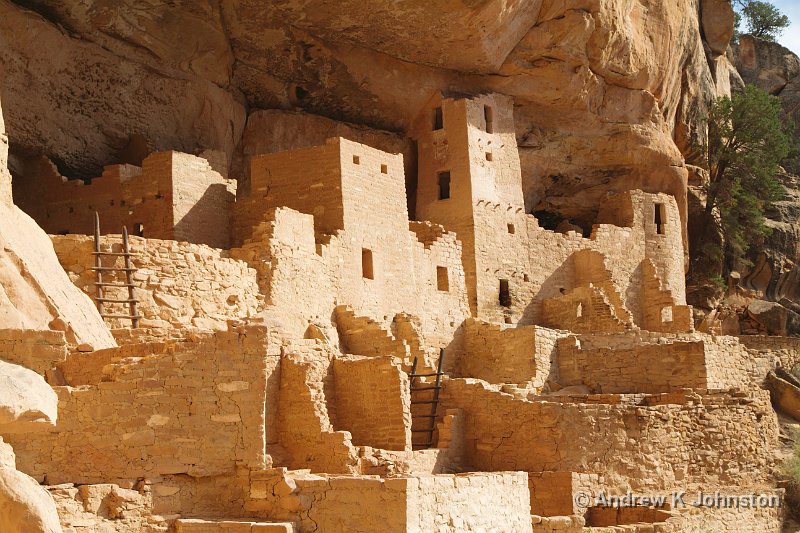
384	169
366	264
356	160
138	229
444	185
659	218
438	119
442	281
488	117
511	229
489	156
505	293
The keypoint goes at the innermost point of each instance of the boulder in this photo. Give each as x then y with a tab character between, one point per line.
765	64
27	402
771	315
25	507
784	392
717	18
35	291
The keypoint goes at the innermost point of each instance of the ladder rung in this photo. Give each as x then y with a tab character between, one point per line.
423	416
114	269
432	387
426	375
114	284
421	444
115	254
424	402
431	430
137	317
112	300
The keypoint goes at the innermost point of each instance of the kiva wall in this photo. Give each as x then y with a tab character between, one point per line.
569	437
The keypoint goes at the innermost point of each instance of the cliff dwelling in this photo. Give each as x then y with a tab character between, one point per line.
307	316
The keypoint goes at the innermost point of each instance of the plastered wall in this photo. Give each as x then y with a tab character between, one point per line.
173	195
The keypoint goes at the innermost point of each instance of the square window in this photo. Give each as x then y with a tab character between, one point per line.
489	156
356	160
442	281
384	169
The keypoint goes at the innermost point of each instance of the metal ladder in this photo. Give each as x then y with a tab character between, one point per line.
423	389
100	297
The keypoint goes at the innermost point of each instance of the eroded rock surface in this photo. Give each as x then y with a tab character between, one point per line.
35	292
25	507
608	95
27	402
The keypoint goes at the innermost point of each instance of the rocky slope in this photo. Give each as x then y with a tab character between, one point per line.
608	94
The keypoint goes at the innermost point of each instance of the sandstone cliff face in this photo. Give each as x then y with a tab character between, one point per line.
608	94
35	292
775	274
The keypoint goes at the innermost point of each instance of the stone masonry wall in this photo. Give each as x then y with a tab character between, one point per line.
307	392
37	350
178	284
284	180
172	195
647	368
474	502
505	354
644	362
200	408
605	435
373	402
306	280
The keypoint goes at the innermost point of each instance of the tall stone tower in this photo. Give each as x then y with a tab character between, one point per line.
470	182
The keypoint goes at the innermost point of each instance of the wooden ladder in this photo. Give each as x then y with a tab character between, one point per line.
100	297
418	397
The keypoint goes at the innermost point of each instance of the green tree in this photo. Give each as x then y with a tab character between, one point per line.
764	20
747	139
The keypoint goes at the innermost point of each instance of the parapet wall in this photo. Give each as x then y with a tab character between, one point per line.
603	435
506	354
172	195
474	502
178	284
200	408
633	363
